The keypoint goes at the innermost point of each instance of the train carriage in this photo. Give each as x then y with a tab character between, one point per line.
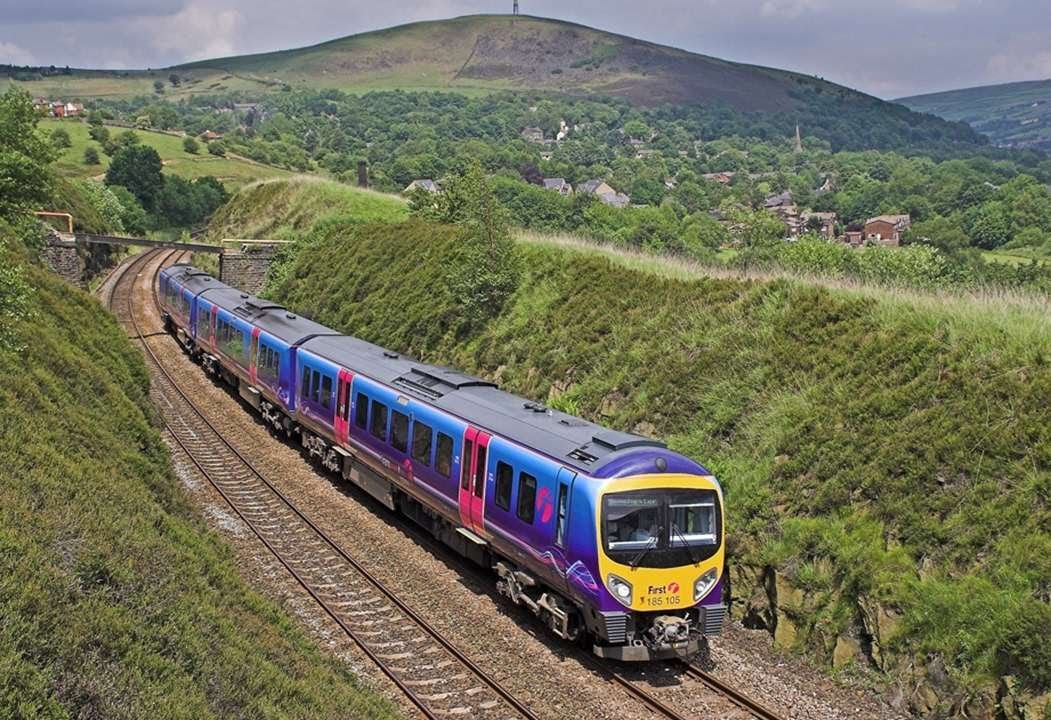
604	534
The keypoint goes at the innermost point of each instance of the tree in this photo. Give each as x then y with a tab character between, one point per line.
133	216
216	147
637	130
138	168
190	145
91	155
174	79
484	272
25	181
158	87
60	138
98	132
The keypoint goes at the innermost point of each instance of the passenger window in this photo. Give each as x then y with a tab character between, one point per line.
465	465
560	526
379	420
479	474
504	478
361	411
306	383
326	391
399	431
443	462
421	443
526	497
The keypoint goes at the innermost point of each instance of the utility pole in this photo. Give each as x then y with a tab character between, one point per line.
515	11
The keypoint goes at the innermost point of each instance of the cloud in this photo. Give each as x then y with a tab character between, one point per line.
65	11
11	54
197	32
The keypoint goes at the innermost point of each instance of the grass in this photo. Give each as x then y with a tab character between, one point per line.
116	600
886	452
233	172
285	209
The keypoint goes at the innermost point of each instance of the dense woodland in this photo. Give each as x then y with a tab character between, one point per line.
961	193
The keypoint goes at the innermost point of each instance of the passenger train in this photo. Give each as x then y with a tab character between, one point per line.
609	537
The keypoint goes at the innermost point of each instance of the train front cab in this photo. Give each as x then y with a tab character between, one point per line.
661	556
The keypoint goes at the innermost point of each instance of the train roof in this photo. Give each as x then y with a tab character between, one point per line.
194	280
572	440
267	316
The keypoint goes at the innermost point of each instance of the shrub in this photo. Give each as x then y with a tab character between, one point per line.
91	155
60	138
190	145
217	148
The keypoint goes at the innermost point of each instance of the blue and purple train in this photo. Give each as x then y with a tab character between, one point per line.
609	537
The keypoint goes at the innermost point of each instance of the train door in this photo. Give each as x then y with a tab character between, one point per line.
472	478
212	318
253	357
342	424
563	494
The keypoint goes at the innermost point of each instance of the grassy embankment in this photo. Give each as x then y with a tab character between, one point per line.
233	172
887	456
116	601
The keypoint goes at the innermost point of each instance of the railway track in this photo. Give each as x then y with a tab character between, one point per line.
429	670
436	677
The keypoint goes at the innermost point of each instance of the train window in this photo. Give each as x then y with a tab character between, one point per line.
526	497
479	472
399	431
421	442
379	420
505	475
305	386
361	412
560	525
326	391
465	465
315	387
443	461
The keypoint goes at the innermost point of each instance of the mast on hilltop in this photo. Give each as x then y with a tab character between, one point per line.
515	11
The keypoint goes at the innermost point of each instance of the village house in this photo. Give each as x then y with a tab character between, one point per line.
723	178
533	135
779	200
854	238
605	193
559	185
823	223
209	135
887	229
423	184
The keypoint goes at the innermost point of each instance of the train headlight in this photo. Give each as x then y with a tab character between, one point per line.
703	585
620	588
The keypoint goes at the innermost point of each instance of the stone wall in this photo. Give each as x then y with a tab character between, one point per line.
245	268
64	259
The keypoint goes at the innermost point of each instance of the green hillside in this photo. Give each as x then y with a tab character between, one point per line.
1012	115
886	458
117	601
231	171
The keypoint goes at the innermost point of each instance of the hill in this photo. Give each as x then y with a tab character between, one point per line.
844	425
1012	115
483	53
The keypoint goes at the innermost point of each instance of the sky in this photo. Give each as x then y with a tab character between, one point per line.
889	48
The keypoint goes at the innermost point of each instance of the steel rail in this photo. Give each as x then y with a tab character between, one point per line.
428	629
735	696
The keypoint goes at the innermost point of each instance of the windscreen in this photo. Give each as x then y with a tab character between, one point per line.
661	528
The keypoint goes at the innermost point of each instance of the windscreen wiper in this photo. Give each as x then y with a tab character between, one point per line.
649	546
689	547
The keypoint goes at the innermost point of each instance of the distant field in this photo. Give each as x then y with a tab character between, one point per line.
1015	114
89	84
233	172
